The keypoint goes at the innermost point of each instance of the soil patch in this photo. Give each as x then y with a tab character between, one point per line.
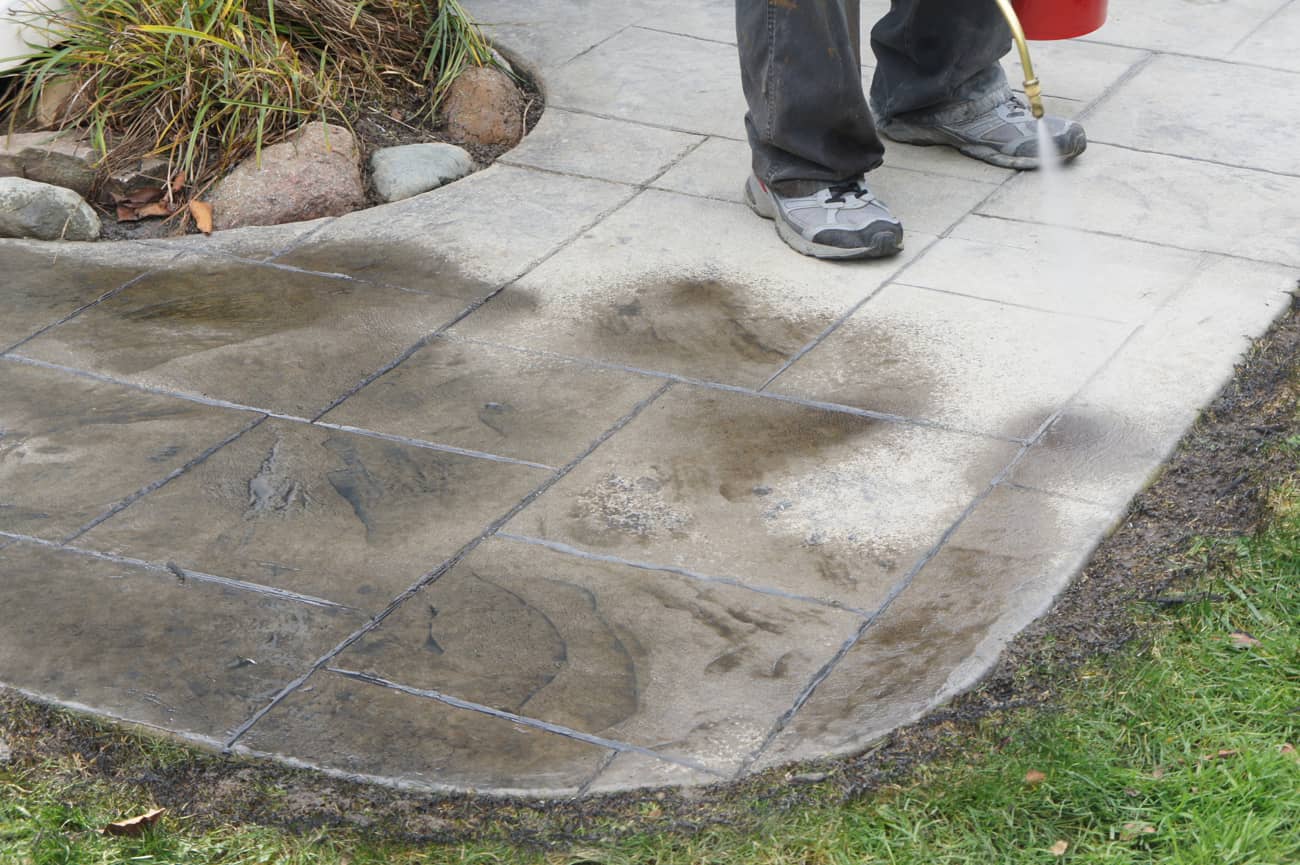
1212	486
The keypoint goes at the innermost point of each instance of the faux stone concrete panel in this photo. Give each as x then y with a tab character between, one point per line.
1176	105
696	670
256	335
813	503
71	448
999	572
926	203
1164	199
357	728
1180	26
631	770
546	35
1073	68
501	401
967	363
329	514
1274	44
697	288
43	283
1119	429
489	228
1057	269
687	84
599	147
191	657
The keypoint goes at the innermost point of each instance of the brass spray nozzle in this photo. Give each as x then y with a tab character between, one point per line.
1033	90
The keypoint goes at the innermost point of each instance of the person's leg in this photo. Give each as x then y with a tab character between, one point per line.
938	81
938	59
810	129
808	121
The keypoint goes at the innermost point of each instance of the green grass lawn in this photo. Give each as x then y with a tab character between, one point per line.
1182	751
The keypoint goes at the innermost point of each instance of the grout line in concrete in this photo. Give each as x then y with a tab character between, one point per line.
692	36
182	574
134	497
1258	27
577	552
433	446
522	720
437	573
1201	159
1134	69
1190	55
1078	500
593	46
1054	312
586	786
1118	236
156	391
573	109
106	296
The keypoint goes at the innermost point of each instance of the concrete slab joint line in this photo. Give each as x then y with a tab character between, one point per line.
621	493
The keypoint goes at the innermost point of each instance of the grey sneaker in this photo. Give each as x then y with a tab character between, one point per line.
842	221
1006	136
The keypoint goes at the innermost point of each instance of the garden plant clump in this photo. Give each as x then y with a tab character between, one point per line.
205	84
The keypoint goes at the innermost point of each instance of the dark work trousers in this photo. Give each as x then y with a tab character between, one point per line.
809	123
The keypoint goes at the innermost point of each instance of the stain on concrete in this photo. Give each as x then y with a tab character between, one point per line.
394	265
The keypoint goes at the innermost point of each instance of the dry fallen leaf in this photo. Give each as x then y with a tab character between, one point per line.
134	825
1132	830
144	195
1157	773
155	208
1288	748
178	183
1242	640
1059	848
126	213
1034	777
202	213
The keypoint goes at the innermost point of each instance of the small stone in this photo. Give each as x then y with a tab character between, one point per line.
313	174
484	107
6	754
44	212
59	159
401	172
148	173
809	778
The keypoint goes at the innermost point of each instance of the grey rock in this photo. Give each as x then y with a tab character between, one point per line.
315	173
44	212
401	172
65	160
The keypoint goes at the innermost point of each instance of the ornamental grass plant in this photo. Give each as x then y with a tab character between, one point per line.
206	83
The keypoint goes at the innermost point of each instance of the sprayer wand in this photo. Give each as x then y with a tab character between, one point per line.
1033	91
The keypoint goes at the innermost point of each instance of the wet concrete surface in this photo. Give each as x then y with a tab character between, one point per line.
333	515
550	485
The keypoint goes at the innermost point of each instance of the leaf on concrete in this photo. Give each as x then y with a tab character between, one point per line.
134	826
1059	848
1034	777
202	213
1242	640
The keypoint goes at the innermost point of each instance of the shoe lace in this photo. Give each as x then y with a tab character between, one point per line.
1016	106
838	191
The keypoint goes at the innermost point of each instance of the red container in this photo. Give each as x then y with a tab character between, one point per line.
1059	19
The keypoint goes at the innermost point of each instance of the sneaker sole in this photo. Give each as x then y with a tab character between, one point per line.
883	243
921	137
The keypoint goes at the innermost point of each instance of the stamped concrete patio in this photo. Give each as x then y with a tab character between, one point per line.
571	477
